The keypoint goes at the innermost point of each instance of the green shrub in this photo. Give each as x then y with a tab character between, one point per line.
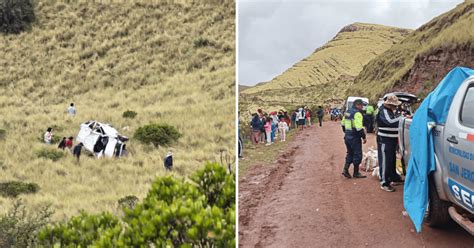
48	153
16	15
175	213
157	134
128	201
129	114
79	231
3	134
19	228
14	188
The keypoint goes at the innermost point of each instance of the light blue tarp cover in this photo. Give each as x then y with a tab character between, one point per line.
433	109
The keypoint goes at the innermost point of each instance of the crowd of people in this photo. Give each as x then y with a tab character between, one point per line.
268	128
354	124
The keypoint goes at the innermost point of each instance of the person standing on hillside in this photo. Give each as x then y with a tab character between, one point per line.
69	142
71	110
76	152
320	114
168	161
48	136
256	125
387	138
354	132
62	144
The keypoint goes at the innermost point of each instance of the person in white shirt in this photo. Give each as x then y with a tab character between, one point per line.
71	110
282	128
48	136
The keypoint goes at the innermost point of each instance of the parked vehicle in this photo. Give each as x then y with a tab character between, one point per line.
350	101
451	185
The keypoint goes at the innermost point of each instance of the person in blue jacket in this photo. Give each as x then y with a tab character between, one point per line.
352	125
387	138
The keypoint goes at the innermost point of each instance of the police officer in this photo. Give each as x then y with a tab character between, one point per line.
354	132
387	138
369	119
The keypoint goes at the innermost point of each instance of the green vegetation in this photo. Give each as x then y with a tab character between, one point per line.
157	134
16	15
128	201
129	114
108	57
397	67
15	188
177	213
19	228
327	72
50	153
3	134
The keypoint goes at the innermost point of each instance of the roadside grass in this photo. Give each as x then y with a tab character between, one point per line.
109	57
262	154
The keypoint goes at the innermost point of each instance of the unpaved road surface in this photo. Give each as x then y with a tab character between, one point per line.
302	200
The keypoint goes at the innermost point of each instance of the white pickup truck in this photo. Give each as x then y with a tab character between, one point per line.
451	185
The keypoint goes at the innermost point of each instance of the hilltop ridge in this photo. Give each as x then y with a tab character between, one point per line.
327	72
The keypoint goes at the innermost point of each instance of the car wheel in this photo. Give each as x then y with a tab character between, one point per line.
437	214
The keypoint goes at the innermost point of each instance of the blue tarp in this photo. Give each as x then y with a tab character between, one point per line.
433	109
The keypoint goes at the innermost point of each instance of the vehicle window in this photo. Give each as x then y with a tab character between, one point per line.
467	112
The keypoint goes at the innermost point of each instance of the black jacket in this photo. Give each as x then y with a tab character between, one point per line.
387	122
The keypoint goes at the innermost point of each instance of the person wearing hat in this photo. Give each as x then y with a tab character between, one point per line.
354	133
387	138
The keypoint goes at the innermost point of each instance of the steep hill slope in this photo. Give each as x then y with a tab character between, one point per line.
421	60
170	61
328	71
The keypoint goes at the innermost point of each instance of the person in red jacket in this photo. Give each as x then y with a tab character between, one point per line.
69	142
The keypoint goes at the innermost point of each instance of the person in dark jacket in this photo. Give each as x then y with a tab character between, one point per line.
320	114
387	138
168	161
62	144
353	133
77	151
257	126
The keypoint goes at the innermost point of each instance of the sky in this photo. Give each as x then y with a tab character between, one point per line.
275	34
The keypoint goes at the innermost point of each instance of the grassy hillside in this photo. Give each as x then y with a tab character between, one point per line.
328	71
170	62
421	60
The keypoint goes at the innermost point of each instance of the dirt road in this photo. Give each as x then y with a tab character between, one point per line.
302	200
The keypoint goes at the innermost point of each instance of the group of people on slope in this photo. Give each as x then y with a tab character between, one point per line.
65	143
387	121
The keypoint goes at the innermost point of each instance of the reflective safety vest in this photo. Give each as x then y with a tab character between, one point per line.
352	121
370	110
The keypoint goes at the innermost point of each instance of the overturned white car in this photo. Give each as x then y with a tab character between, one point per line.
102	139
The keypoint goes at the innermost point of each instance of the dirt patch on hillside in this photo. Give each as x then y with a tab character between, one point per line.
429	69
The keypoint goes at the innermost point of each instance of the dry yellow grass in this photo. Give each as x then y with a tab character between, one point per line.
171	62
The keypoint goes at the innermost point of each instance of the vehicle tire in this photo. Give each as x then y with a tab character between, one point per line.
437	214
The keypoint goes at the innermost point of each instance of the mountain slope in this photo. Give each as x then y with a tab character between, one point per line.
170	61
328	71
421	60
